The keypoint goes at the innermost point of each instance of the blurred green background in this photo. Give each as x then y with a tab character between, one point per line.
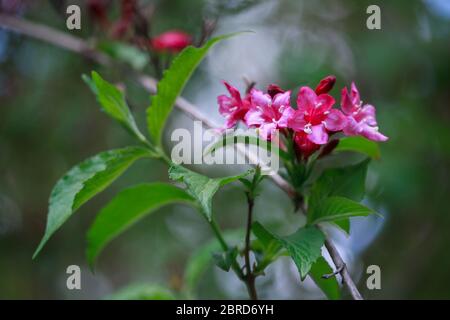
49	121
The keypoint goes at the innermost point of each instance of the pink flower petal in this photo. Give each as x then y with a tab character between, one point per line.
267	130
372	133
286	117
355	95
352	128
260	99
306	99
367	114
254	117
346	102
225	104
335	120
296	121
318	134
233	92
282	99
324	103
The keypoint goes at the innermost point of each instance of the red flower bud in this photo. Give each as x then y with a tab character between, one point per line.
273	90
173	41
325	85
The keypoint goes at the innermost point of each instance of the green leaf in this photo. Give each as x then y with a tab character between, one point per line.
127	208
129	54
347	182
343	225
142	292
304	245
229	140
172	84
330	287
224	259
83	182
359	144
337	208
201	259
113	103
201	187
271	246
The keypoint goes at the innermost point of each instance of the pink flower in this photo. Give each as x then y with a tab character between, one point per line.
314	116
325	85
233	108
269	113
360	119
173	41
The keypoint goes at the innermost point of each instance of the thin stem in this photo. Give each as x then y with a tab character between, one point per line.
218	235
249	276
234	265
340	265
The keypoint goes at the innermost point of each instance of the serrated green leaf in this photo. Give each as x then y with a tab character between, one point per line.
304	245
229	140
337	208
359	144
129	54
142	292
113	102
329	287
127	208
201	187
172	84
83	182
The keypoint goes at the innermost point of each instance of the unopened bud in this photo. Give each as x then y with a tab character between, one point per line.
325	85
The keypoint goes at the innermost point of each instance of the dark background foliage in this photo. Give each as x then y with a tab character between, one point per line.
49	121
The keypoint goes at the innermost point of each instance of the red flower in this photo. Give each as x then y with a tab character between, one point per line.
360	118
267	113
173	41
315	117
325	85
233	107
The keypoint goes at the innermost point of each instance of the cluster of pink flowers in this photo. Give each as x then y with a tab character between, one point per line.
311	123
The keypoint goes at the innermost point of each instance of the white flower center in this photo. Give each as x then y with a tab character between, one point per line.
307	129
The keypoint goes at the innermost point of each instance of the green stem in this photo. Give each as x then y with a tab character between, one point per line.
225	247
249	276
